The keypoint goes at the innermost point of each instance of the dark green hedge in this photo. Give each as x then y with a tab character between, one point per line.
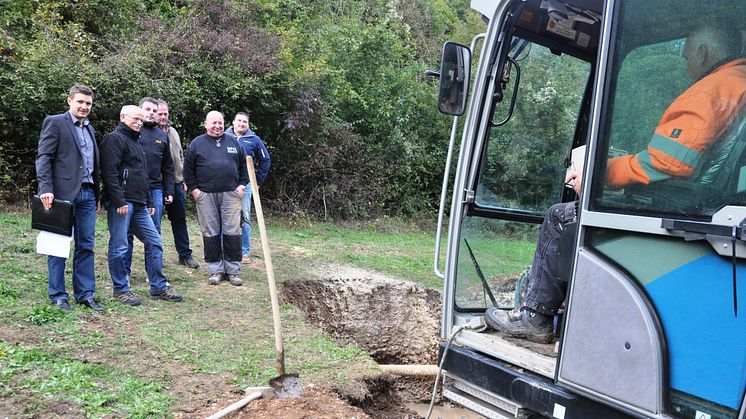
334	88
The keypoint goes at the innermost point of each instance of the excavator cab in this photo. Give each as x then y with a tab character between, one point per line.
651	325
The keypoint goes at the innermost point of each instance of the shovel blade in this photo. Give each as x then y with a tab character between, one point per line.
287	385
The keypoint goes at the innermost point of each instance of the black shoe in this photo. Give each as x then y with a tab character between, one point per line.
92	304
63	305
521	323
128	298
168	295
188	262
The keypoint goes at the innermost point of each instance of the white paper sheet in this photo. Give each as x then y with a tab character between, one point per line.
577	160
53	244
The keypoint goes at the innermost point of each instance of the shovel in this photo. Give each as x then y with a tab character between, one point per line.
285	385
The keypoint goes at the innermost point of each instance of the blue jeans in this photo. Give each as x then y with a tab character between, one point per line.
84	279
138	221
176	212
246	222
157	195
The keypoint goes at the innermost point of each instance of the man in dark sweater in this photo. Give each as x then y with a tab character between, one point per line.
129	206
215	173
160	168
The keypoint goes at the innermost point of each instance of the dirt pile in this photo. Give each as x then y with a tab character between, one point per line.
317	403
379	399
396	322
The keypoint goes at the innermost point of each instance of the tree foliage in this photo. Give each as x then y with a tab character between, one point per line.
334	88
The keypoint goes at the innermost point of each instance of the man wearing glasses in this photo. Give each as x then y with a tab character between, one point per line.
160	167
129	205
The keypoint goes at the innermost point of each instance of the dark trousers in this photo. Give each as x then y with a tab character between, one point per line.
176	212
546	289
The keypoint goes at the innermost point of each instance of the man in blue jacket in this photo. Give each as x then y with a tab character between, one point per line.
254	147
215	173
67	168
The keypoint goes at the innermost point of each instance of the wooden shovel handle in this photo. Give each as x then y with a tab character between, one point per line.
268	265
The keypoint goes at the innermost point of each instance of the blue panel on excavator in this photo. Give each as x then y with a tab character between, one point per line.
706	341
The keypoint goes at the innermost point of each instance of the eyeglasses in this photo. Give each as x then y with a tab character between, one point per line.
140	120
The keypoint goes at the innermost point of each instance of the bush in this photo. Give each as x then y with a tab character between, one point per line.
334	89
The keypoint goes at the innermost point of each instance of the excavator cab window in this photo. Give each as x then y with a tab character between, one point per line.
670	148
521	172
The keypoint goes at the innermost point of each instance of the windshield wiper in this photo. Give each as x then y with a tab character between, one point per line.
480	275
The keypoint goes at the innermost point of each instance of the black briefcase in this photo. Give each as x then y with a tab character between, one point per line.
58	219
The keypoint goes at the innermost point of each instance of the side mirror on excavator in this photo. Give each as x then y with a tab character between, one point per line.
455	68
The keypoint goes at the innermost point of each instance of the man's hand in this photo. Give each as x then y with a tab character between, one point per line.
240	190
122	210
47	199
169	199
151	211
186	188
195	193
575	180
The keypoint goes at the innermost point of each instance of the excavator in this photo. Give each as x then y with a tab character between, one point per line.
654	320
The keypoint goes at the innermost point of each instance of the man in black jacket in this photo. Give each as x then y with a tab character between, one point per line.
67	168
124	170
215	173
160	168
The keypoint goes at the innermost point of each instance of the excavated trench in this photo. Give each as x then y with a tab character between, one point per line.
395	321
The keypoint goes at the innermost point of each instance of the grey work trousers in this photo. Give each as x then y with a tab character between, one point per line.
219	216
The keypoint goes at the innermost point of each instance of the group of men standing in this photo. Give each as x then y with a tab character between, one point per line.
139	167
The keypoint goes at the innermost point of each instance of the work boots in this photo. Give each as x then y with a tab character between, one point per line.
521	322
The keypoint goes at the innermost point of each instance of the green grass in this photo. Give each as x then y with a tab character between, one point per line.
98	390
129	361
400	250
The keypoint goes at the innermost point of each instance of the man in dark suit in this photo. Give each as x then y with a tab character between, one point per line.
67	168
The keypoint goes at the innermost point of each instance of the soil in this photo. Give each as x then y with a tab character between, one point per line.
378	400
317	403
379	397
395	321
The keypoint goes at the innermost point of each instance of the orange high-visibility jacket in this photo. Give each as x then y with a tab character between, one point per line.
692	123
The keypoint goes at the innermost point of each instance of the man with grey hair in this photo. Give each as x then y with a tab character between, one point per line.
129	206
176	210
692	124
215	173
160	167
